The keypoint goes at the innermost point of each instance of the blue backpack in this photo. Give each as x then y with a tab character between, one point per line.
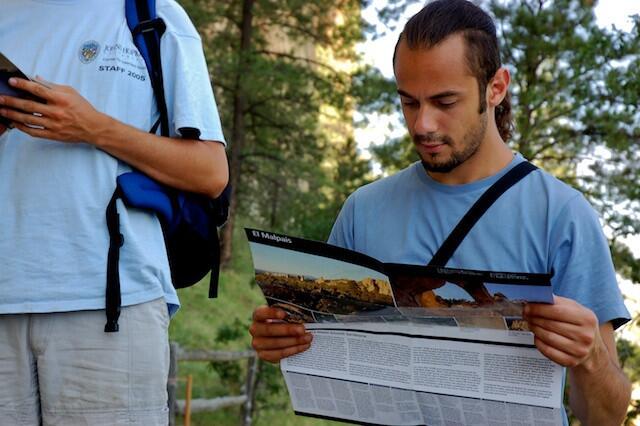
189	221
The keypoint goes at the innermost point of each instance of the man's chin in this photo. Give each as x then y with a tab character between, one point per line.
441	166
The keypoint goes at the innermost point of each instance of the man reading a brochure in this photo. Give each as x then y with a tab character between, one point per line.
454	94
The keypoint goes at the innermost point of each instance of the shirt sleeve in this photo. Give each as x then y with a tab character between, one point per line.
582	265
342	231
190	100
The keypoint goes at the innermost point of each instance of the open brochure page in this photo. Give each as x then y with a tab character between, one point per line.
407	344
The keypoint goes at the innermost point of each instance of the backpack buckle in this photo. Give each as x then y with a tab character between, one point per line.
150	25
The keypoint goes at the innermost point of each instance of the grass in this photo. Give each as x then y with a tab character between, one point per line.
198	325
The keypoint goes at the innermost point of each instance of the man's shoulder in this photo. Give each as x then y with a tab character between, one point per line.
543	198
543	184
176	18
169	6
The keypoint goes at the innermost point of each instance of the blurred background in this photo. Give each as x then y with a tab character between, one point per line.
309	108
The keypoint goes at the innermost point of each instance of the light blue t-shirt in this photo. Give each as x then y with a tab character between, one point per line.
53	233
539	225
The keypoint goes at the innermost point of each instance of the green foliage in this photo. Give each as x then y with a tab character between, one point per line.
396	154
222	323
629	354
231	332
231	375
285	98
374	92
625	261
271	392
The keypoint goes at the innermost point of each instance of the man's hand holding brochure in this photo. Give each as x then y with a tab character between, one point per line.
402	344
8	70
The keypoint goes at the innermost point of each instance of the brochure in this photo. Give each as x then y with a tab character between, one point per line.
398	344
7	70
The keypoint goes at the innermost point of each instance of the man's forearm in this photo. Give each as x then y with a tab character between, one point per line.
184	164
68	117
599	391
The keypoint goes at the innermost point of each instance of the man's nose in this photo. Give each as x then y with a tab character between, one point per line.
425	121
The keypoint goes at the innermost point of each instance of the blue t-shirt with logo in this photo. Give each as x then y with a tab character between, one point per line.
53	233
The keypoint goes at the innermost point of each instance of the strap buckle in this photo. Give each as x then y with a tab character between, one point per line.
150	25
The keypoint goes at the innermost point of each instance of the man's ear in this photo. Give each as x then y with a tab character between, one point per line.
498	87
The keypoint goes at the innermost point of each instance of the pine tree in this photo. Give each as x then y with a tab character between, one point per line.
283	84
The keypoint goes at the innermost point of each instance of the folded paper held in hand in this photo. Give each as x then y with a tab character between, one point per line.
398	344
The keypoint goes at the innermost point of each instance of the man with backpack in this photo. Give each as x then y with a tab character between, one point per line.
58	170
454	96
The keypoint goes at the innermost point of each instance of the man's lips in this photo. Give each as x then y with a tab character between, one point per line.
431	147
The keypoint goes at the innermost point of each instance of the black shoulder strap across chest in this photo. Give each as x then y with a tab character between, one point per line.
147	30
476	211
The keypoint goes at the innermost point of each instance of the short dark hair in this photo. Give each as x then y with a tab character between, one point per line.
441	18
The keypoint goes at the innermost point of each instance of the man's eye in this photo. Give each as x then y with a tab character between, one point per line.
446	104
410	104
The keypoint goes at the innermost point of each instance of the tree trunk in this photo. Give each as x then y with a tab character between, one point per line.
274	203
238	132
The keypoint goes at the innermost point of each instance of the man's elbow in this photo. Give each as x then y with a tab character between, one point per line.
613	410
217	182
217	187
626	399
218	176
619	414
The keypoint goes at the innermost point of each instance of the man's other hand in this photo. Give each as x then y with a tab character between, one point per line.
569	334
565	332
273	339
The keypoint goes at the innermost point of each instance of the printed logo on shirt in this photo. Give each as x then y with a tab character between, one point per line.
89	51
123	59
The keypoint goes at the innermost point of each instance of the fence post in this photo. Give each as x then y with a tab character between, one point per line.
250	385
187	401
172	382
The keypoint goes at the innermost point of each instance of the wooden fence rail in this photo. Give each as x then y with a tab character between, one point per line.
177	406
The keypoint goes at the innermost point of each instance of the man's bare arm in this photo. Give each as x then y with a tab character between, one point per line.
569	334
599	391
193	165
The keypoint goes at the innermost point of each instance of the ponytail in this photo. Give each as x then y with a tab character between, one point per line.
504	119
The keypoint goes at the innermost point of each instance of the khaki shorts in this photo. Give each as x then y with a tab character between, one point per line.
63	369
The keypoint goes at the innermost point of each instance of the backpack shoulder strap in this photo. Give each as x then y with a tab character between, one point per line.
476	211
147	29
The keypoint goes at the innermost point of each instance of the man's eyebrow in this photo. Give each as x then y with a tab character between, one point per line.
440	95
405	94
